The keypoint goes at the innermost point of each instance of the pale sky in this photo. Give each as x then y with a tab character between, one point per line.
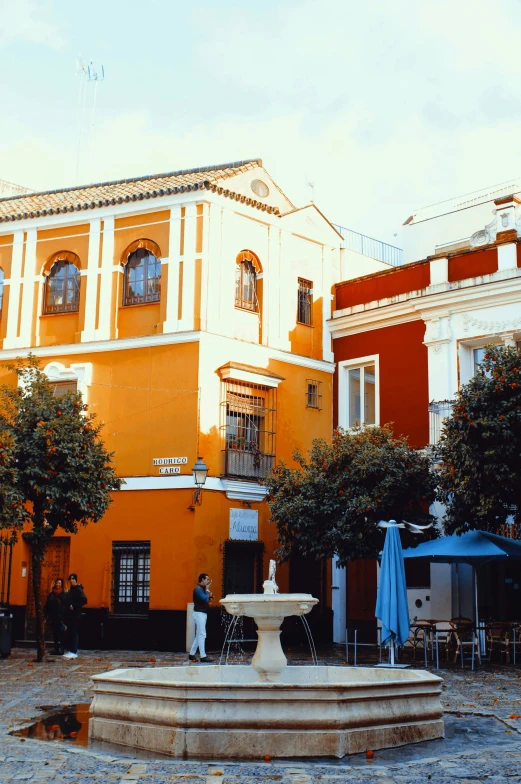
386	106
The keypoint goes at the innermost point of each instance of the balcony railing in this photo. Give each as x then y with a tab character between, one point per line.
368	246
247	465
439	411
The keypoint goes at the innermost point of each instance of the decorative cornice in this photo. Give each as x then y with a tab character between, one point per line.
236	490
491	325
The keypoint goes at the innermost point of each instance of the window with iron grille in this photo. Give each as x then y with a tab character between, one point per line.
130	577
248	425
305	302
246	286
142	278
314	394
62	288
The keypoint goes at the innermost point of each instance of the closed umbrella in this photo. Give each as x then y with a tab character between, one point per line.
391	603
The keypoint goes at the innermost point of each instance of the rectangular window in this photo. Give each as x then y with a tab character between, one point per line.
305	302
359	402
248	425
362	396
478	355
131	577
314	394
61	387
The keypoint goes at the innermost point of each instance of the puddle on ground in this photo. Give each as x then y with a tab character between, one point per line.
70	724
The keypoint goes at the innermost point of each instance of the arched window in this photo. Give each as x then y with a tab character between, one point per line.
142	273
248	267
62	287
1	291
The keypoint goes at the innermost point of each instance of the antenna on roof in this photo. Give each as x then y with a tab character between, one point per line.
88	74
311	185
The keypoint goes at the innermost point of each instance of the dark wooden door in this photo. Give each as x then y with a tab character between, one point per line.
242	567
55	564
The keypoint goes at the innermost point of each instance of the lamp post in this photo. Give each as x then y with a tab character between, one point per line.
200	472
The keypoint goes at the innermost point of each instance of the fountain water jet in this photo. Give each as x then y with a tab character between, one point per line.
247	712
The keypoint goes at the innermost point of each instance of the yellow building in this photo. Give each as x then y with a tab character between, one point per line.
190	309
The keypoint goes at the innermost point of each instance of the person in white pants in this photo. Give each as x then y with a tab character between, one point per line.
202	598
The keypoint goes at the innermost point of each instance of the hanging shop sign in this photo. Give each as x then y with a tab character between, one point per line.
244	524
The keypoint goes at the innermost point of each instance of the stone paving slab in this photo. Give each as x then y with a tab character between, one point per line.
26	687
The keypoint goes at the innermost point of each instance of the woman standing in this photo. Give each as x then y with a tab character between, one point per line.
54	610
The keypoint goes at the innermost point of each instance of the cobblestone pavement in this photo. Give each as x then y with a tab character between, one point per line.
483	733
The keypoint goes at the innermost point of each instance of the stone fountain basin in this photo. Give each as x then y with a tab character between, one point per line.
225	712
265	605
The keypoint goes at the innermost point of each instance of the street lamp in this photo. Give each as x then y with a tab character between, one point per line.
200	472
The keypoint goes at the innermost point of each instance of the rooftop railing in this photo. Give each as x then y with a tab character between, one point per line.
368	246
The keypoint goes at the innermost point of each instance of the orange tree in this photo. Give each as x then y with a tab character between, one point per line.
331	503
60	470
480	448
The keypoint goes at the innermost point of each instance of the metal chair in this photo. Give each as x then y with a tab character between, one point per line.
466	638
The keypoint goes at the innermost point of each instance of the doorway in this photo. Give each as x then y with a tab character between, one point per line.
242	568
55	564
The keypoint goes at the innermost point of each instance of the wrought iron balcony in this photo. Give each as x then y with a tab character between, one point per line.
439	411
245	464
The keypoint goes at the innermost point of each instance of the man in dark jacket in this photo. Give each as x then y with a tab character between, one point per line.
202	598
74	600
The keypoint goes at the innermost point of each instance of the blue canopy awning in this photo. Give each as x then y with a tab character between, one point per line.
474	548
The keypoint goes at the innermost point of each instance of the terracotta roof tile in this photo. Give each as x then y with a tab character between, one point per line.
102	194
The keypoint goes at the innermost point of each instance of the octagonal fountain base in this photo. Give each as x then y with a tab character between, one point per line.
225	712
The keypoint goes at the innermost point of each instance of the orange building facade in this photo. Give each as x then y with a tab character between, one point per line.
190	309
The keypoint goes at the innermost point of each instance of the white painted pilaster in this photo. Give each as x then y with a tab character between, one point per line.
327	299
107	268
187	320
91	282
272	289
172	290
205	297
213	262
14	290
506	257
29	280
443	382
439	269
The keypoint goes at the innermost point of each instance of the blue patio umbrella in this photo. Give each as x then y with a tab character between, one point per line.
473	547
391	604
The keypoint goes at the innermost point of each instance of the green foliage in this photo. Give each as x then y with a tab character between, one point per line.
54	469
480	449
331	504
61	470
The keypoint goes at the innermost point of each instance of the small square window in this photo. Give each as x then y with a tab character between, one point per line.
305	302
314	394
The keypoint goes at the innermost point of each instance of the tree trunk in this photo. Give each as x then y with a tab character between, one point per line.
37	556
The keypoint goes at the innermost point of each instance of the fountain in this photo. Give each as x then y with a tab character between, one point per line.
268	708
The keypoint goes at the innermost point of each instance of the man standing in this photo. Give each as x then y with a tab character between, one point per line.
73	600
202	598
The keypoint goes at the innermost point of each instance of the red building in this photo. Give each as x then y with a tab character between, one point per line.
404	340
